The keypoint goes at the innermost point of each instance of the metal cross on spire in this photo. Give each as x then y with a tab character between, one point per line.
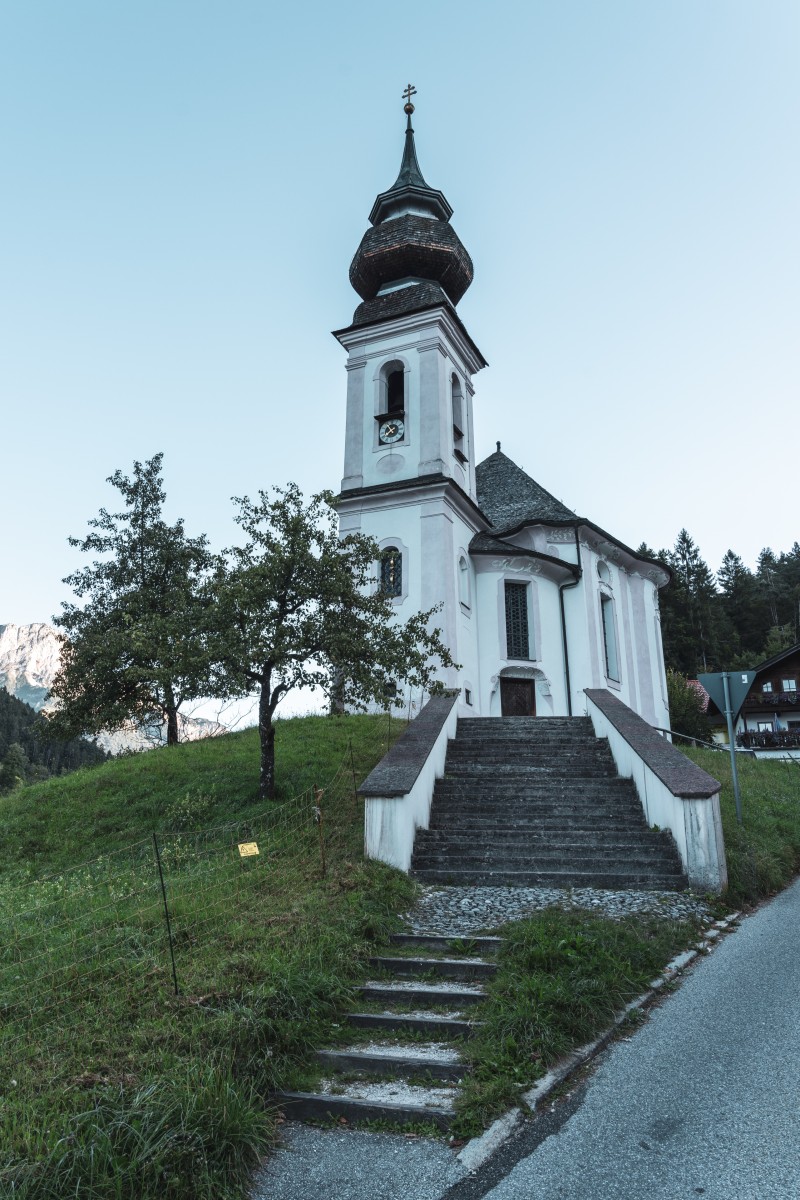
410	91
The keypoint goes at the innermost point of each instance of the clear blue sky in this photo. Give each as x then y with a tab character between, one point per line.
183	185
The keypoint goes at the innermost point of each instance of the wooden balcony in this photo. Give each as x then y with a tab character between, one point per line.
772	700
786	739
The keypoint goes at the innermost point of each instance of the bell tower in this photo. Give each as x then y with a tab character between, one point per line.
409	459
411	360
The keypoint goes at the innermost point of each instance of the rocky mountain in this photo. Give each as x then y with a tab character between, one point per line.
29	658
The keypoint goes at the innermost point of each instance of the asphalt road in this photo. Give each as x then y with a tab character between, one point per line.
704	1099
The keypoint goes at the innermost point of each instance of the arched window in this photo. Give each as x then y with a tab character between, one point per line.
609	636
457	400
395	392
463	581
391	571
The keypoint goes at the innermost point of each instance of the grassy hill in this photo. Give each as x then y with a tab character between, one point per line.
111	1083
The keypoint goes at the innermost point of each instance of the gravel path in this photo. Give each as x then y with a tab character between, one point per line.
461	911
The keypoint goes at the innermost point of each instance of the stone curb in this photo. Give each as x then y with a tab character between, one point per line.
478	1150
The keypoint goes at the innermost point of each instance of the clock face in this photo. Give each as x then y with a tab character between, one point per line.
391	431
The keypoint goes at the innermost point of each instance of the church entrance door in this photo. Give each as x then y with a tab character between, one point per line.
517	698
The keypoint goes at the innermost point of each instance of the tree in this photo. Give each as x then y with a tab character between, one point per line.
745	605
686	707
298	606
131	652
14	768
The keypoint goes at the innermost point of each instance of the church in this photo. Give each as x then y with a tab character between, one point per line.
536	603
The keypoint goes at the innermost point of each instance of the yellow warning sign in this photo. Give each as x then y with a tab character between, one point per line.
246	849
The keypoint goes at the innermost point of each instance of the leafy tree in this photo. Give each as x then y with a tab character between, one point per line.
297	606
131	652
686	711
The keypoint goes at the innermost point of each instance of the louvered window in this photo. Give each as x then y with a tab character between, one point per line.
517	620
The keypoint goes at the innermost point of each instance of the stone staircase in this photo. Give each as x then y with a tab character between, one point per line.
537	802
403	1065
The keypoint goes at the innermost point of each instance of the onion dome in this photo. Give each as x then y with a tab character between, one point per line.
411	243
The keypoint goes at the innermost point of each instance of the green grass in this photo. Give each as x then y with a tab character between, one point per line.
562	977
763	853
110	1084
74	818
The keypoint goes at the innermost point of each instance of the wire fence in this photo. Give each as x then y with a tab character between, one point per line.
165	915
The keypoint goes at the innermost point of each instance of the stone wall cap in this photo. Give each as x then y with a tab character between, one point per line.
398	771
677	772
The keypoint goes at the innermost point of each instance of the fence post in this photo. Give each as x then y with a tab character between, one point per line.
318	794
166	913
355	784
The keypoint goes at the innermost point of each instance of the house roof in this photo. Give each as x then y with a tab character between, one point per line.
778	658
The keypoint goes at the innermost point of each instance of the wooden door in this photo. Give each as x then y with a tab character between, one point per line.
517	698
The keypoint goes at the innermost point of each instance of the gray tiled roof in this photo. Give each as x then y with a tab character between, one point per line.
510	498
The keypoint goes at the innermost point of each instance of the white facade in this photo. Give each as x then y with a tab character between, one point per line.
417	496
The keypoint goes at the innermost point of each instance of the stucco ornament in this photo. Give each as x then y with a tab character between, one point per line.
514	564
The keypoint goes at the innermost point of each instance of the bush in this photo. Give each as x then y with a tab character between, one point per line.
686	713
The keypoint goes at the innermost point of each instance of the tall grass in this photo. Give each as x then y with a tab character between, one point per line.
110	1084
562	977
763	853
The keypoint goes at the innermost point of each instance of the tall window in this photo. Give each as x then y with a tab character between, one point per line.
610	637
517	644
457	398
463	581
395	393
392	572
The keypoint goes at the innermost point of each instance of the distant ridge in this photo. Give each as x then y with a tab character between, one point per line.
29	659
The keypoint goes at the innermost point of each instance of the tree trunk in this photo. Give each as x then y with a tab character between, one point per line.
172	718
266	733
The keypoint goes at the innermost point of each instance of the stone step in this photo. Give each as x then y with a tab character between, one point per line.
432	1060
517	747
390	1104
612	880
504	726
500	852
430	941
502	835
429	1023
519	809
455	995
504	769
555	861
536	784
526	825
465	969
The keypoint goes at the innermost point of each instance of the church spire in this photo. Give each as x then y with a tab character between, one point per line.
410	193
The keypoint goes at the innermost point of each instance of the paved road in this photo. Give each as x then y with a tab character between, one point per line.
703	1100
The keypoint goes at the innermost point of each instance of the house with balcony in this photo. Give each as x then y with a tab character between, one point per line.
770	716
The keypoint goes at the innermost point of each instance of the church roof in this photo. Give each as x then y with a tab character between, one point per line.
511	499
410	187
411	240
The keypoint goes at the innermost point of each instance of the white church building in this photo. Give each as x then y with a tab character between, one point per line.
537	603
